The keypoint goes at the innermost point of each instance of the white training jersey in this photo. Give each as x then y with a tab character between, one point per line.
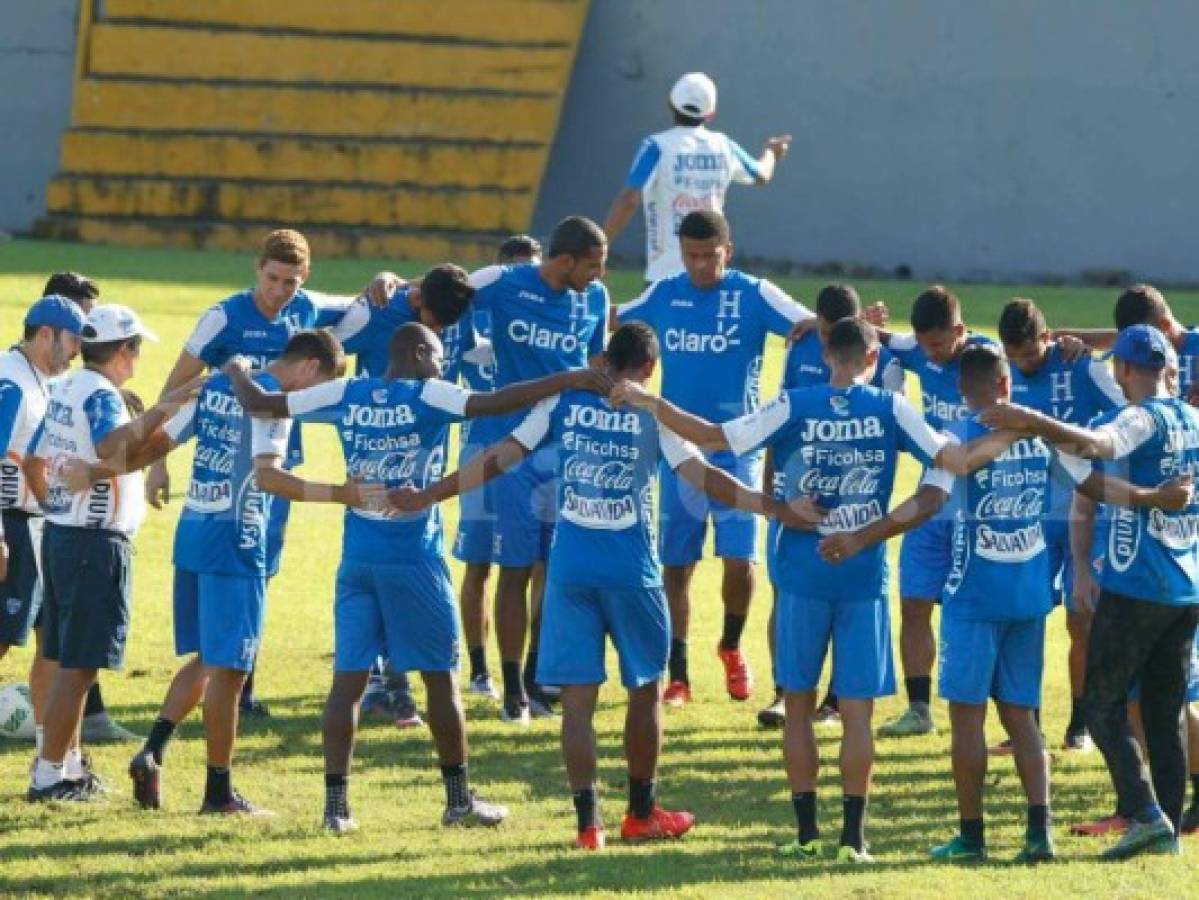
680	170
24	392
84	408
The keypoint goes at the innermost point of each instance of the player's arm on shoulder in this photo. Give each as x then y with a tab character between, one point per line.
1112	441
928	499
1095	338
356	317
691	428
1174	495
524	394
79	475
783	312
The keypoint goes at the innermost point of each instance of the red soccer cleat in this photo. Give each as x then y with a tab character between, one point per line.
591	838
678	693
738	680
660	824
1100	827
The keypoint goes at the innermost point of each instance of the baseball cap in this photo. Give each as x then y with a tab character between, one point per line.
114	322
56	311
694	95
1143	346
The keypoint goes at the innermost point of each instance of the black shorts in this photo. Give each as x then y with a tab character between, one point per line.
88	583
18	592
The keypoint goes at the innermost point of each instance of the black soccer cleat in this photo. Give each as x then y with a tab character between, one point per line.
147	780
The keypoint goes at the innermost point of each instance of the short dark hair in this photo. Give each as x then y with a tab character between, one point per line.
575	236
705	224
99	353
981	364
518	246
1140	304
836	302
684	119
631	346
318	344
935	309
850	338
446	293
71	285
1021	321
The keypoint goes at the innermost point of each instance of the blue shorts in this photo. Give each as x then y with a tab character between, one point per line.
19	594
529	498
402	611
860	635
219	617
575	620
999	660
476	519
925	558
1057	542
684	511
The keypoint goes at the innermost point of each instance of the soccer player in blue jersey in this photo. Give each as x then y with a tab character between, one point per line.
804	366
712	322
1148	609
603	575
393	586
1075	391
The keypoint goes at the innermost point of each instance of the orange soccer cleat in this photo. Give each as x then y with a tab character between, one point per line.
1100	827
678	693
660	824
590	838
738	680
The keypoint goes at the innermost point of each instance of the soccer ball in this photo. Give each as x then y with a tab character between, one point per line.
16	713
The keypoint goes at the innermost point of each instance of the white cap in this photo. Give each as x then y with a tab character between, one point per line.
113	322
694	95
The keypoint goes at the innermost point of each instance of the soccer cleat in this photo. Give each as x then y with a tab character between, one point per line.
252	708
99	728
659	824
482	686
773	716
812	849
827	715
1165	847
907	724
1078	741
848	854
958	850
1036	850
1003	748
377	703
540	708
678	693
147	780
738	680
1107	825
590	838
403	706
71	791
477	812
1139	838
340	824
1190	819
515	711
235	805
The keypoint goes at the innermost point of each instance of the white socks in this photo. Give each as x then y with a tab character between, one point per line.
46	773
38	734
72	768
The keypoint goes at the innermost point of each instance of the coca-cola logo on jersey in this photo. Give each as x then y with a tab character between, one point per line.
392	468
607	476
1027	504
855	482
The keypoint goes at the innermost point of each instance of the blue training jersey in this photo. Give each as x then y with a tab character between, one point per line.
223	526
713	340
1188	359
477	371
804	366
607	461
839	446
1000	562
943	403
393	433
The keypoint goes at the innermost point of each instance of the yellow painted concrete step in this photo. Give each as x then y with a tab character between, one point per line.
223	54
297	202
171	106
466	249
283	158
499	20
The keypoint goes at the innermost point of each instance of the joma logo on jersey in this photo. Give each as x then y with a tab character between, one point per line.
849	430
700	162
542	338
379	417
60	413
602	419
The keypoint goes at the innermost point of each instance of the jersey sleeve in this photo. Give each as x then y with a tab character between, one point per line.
1078	470
331	308
905	349
639	310
938	478
11	401
269	437
1108	394
779	310
758	428
891	378
599	302
536	426
205	341
486	282
746	169
644	164
103	410
181	427
916	437
1129	430
446	398
675	450
351	330
788	381
319	403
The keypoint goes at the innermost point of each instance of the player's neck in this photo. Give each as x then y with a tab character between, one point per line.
109	371
39	358
268	312
550	275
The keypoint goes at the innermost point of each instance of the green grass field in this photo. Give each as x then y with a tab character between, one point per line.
717	762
